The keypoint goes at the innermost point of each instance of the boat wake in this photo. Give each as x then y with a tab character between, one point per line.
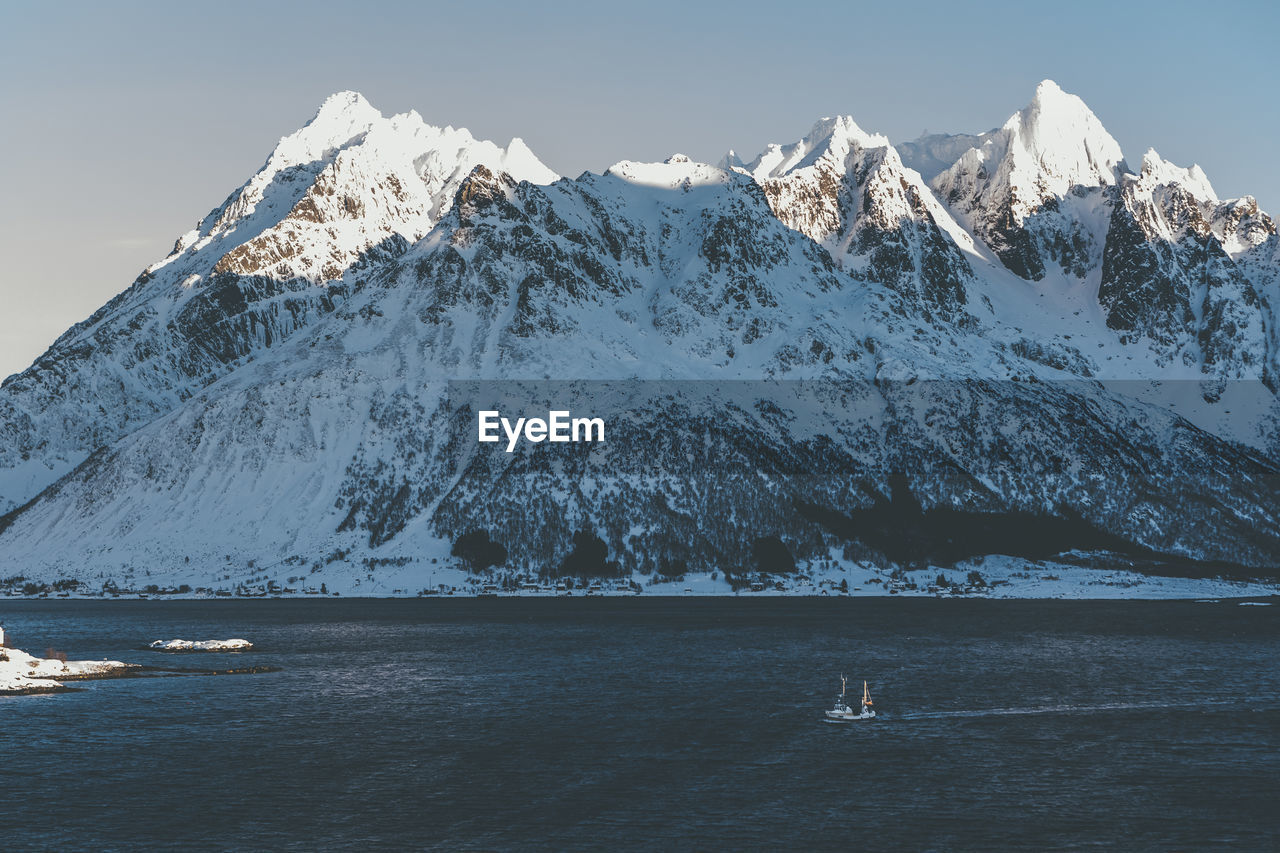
1062	709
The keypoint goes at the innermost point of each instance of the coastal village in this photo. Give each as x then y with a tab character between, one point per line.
991	577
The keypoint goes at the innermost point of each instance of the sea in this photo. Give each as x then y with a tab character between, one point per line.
650	724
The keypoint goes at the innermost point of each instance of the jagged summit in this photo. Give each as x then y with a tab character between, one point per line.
1008	190
849	190
341	118
1057	137
344	105
519	159
1042	151
347	119
830	137
731	161
1160	171
349	144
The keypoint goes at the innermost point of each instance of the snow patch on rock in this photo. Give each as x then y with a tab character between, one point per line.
233	645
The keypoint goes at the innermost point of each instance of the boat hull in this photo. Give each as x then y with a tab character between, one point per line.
840	717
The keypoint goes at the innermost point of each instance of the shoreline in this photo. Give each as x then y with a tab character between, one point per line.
1201	598
40	690
22	673
990	577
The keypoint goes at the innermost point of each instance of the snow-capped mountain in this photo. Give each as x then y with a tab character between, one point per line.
349	192
815	349
1026	189
849	191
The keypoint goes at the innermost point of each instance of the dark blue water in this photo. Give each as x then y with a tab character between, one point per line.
652	724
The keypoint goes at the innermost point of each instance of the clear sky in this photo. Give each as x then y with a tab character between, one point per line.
125	122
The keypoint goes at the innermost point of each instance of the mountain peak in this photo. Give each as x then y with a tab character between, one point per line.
1064	138
1047	89
1051	101
1161	171
830	137
342	117
1043	152
731	161
340	103
676	171
841	127
520	162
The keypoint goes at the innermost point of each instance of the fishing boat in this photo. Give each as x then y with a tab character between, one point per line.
843	713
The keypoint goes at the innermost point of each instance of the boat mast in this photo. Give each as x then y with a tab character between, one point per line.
866	694
842	685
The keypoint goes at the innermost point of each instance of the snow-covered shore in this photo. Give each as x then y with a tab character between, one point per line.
1067	576
24	673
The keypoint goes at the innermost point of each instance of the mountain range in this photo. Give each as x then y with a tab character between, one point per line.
839	350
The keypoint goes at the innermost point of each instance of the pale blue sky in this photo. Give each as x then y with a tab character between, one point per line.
126	122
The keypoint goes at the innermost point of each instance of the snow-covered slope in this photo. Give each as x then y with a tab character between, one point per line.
833	359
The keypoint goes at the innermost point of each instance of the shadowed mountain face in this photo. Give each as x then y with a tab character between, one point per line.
816	349
1181	270
850	192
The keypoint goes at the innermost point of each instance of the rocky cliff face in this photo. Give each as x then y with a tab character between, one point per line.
1176	271
795	347
850	192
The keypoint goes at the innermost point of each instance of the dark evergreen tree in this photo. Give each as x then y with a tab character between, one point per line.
478	551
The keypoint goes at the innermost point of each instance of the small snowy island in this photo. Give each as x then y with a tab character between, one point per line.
235	645
24	673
